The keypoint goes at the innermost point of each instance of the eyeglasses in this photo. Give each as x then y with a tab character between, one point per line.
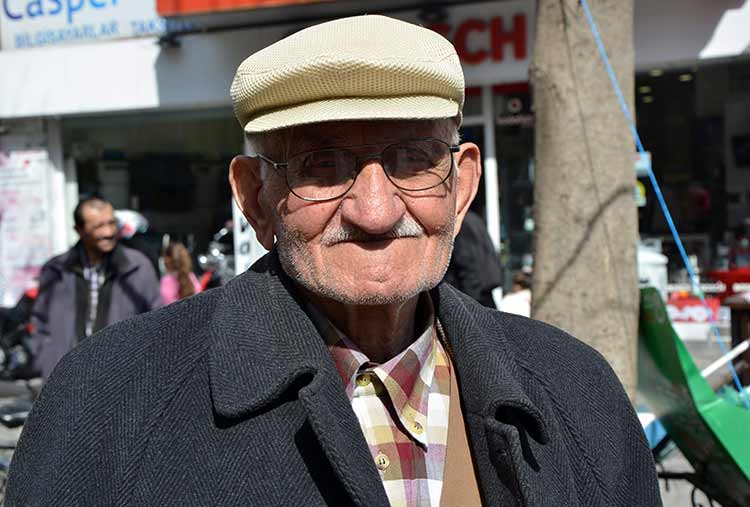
322	175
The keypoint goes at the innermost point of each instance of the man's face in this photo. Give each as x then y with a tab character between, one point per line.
376	244
99	230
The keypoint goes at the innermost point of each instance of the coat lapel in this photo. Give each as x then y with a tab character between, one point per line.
265	345
498	411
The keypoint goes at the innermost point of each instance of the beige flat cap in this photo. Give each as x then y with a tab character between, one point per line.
358	68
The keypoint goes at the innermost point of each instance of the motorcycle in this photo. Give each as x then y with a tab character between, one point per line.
218	262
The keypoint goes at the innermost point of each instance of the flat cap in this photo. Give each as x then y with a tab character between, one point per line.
358	68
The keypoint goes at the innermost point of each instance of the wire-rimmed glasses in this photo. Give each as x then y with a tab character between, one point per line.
413	165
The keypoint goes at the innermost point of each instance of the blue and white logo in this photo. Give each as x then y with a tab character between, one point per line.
37	23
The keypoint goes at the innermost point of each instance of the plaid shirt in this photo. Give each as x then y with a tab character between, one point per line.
402	407
94	275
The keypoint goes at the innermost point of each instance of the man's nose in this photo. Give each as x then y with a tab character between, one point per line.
373	204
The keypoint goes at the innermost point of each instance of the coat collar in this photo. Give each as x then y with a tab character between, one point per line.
265	347
488	371
117	262
264	344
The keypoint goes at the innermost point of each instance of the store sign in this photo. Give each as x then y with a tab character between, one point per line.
38	23
492	39
25	224
184	7
691	310
491	36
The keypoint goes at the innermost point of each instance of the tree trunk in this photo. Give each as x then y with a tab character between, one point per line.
586	225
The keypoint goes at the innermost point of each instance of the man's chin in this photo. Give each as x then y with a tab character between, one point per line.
106	248
362	295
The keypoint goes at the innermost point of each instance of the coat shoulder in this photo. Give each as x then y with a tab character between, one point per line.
530	341
148	341
58	262
135	256
538	343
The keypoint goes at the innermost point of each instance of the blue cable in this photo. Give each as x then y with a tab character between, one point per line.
662	202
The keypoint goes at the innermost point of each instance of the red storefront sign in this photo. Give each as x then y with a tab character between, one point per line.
189	7
493	39
497	36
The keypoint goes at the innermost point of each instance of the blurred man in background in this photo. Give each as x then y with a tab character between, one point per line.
95	283
475	268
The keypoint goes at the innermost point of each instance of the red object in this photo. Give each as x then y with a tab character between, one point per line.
690	309
205	279
32	293
729	278
186	7
493	32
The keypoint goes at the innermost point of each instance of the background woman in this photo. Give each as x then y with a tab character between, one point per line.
180	281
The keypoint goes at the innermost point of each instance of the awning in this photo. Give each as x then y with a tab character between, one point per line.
109	76
124	75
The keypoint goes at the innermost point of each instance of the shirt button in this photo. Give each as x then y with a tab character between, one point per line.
382	461
364	379
417	427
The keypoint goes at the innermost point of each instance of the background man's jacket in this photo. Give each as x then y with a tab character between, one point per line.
474	267
231	398
58	316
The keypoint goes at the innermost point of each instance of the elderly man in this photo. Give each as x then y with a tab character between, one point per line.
338	370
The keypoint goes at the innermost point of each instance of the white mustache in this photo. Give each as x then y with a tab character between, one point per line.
407	227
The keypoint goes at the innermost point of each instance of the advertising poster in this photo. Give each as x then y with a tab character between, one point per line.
25	239
44	23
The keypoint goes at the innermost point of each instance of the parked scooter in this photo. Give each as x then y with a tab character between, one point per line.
218	261
15	336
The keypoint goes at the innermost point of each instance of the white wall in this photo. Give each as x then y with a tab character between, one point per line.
676	32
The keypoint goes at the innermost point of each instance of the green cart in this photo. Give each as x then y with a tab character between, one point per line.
712	433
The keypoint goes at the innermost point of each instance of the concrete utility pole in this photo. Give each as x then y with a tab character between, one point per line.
585	267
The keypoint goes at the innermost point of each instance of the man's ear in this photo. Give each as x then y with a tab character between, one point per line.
469	165
246	181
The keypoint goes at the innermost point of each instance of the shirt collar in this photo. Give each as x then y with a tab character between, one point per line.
407	377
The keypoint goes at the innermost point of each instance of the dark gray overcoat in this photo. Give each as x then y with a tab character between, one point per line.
230	398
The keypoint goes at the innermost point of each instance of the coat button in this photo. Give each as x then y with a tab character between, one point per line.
382	461
417	427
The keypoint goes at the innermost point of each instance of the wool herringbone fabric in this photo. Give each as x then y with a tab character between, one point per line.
231	398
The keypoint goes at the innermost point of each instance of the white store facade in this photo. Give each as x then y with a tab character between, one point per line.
97	101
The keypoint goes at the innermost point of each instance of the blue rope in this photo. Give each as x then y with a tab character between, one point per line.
662	202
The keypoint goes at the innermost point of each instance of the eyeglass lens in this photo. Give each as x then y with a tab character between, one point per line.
328	174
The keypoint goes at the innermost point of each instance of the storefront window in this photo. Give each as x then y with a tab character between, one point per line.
170	167
695	122
514	148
